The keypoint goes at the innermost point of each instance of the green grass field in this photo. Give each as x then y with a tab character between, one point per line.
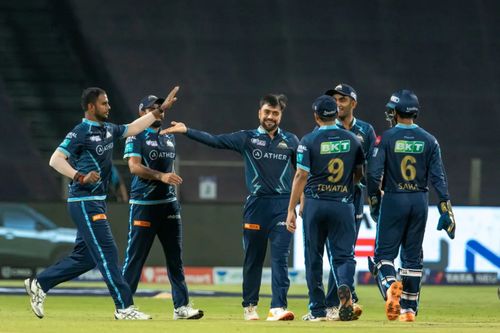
442	309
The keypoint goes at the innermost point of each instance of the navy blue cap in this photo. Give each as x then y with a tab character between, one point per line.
404	101
149	101
325	106
343	89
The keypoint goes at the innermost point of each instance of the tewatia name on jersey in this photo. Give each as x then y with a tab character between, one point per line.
332	188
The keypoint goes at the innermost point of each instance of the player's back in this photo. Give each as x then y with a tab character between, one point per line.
332	155
408	153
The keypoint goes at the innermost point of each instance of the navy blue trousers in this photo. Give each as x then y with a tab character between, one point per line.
94	246
145	223
401	225
264	221
332	224
402	221
332	299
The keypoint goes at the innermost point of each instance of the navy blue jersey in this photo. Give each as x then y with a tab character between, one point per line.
365	134
269	162
407	157
157	152
330	155
89	147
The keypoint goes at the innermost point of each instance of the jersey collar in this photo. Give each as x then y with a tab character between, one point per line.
328	127
339	123
406	126
151	130
91	123
261	130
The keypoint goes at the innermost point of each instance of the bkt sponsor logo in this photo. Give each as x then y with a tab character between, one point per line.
403	146
100	149
330	147
258	154
154	154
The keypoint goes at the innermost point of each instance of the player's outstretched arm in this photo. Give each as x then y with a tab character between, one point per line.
176	128
141	123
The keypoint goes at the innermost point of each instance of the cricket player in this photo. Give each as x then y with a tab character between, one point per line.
347	100
329	163
154	208
85	156
407	158
269	155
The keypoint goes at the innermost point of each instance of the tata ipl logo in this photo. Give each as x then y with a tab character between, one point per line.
409	147
331	147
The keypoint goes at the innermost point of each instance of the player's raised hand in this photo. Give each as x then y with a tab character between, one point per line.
176	128
170	100
171	178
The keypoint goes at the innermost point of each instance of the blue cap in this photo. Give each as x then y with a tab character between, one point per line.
343	89
149	101
325	106
404	101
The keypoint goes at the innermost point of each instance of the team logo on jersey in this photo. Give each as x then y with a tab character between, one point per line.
282	145
108	134
258	142
95	138
301	149
169	143
331	147
71	135
151	143
409	147
360	137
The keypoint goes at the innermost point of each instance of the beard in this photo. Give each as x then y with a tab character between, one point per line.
101	117
156	124
270	126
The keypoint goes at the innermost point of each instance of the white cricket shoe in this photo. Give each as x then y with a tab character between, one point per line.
332	313
187	312
310	317
37	296
131	313
276	314
250	312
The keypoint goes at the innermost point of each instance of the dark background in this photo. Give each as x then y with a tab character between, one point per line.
225	55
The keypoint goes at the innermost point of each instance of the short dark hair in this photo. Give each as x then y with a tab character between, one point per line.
326	119
90	95
406	115
274	100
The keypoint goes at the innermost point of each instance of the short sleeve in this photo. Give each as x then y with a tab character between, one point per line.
132	147
118	131
303	155
72	144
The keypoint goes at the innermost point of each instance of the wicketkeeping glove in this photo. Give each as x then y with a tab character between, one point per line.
374	201
447	219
